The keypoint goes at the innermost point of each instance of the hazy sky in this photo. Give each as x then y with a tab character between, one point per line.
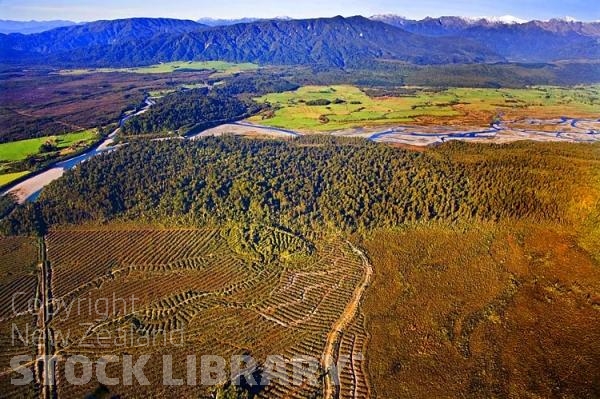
87	10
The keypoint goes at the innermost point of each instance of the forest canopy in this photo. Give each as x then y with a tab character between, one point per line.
315	183
203	107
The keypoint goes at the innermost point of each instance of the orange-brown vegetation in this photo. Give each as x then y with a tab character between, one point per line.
488	310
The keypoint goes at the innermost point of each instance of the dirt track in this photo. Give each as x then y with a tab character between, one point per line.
330	354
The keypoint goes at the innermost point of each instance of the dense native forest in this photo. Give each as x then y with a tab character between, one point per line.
186	110
313	183
202	107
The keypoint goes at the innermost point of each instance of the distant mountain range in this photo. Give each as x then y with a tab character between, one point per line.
325	41
445	25
514	39
227	22
98	34
28	27
338	41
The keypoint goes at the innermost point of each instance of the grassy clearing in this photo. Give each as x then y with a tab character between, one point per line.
220	67
353	109
349	107
165	92
161	93
16	156
20	150
10	177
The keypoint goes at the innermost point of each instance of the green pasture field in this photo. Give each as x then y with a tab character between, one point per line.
221	67
354	108
10	177
20	150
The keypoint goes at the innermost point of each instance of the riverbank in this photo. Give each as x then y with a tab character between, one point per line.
562	129
28	188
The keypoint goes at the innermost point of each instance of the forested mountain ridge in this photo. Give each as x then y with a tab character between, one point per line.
324	41
98	33
29	27
334	41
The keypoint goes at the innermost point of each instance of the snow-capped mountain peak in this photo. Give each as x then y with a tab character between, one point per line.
567	18
505	19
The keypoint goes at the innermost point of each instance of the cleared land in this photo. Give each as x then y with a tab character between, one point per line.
18	286
221	67
36	103
20	150
13	155
216	291
6	178
333	108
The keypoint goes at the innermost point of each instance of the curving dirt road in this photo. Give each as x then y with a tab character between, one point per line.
330	354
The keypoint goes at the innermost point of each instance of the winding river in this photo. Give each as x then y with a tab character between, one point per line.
30	188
